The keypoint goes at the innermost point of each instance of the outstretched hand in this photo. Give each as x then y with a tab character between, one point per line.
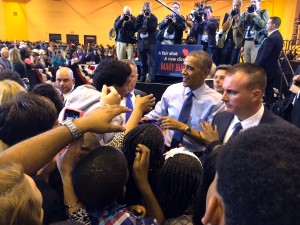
145	104
168	122
109	96
99	120
68	157
208	133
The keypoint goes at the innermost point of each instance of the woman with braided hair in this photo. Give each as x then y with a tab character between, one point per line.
178	184
151	136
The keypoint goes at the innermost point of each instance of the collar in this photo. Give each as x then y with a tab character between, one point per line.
251	121
109	210
272	32
197	92
67	94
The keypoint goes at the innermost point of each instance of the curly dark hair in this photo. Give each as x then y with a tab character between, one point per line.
111	72
258	177
99	177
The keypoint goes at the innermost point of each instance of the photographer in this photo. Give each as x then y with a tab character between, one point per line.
251	23
146	24
124	26
204	29
172	27
232	39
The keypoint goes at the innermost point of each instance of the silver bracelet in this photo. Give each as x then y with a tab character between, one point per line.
72	127
71	205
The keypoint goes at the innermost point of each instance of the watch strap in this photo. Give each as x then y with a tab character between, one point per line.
69	123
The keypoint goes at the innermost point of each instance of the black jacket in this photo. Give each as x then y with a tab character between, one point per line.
147	25
210	26
179	27
268	54
125	30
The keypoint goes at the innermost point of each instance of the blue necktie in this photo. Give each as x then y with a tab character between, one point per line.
183	117
128	105
237	127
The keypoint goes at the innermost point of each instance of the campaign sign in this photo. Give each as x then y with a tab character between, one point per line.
169	58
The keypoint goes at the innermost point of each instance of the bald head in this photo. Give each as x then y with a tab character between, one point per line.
4	52
127	10
64	80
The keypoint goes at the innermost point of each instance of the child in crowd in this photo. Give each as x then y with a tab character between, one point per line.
178	184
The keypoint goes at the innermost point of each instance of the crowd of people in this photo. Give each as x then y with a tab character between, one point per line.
105	152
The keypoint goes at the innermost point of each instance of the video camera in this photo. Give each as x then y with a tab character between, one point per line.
199	12
251	9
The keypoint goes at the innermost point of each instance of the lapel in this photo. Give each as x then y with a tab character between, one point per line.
223	121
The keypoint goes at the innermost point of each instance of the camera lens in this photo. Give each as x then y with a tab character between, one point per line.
147	13
234	12
170	20
251	9
126	17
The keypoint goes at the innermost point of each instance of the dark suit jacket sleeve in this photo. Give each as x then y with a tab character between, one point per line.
265	51
140	93
179	25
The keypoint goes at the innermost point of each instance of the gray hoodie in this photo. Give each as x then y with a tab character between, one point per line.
87	98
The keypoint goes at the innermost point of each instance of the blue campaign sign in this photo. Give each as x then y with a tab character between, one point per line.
169	58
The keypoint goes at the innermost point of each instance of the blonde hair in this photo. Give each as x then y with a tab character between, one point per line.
17	201
14	56
8	89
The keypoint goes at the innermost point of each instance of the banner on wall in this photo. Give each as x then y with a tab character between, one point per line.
169	58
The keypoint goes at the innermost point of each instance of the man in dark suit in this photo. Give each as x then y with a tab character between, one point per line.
268	55
244	86
130	98
145	24
207	31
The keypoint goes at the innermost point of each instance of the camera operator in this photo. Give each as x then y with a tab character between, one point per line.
232	39
146	24
172	27
124	26
204	29
253	20
268	56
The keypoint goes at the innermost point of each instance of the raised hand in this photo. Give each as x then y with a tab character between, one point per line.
208	133
109	96
144	104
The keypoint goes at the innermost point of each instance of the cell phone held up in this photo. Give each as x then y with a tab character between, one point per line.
72	113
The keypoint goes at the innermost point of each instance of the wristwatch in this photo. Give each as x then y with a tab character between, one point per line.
72	127
187	130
